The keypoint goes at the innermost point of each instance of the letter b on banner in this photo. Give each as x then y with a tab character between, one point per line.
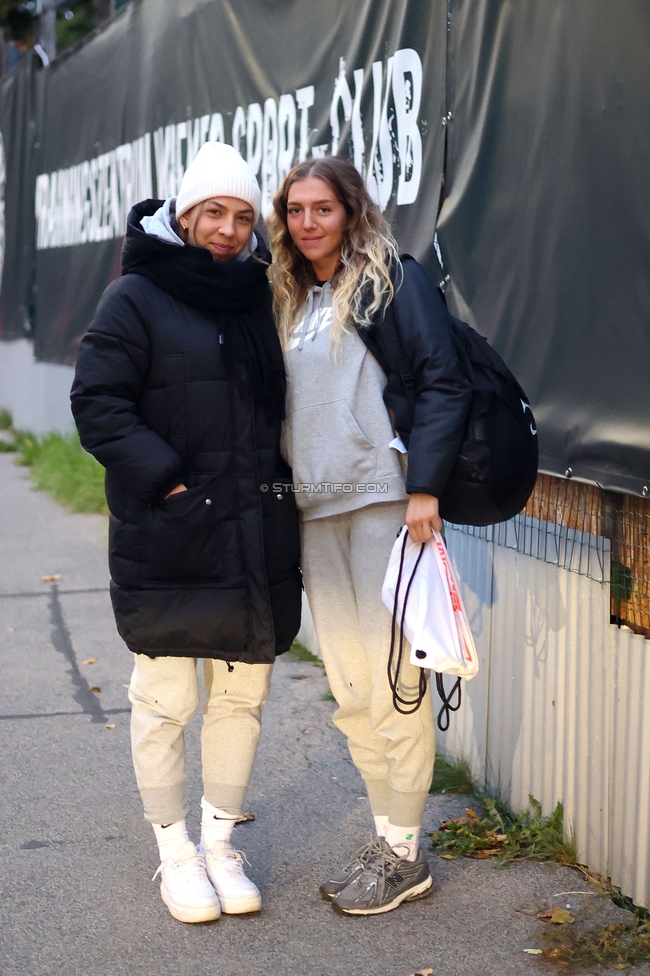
407	92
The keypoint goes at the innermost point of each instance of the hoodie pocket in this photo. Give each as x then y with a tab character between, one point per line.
329	447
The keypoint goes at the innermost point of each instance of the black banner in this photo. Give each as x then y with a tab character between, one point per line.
19	134
281	81
545	228
528	122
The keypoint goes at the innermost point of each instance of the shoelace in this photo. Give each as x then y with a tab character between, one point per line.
382	864
365	853
233	861
192	864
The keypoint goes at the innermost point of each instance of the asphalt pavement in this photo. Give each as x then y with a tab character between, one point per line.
77	857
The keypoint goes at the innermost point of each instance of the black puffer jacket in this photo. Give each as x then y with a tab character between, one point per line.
213	571
430	397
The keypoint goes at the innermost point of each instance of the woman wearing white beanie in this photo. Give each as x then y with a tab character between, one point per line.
179	393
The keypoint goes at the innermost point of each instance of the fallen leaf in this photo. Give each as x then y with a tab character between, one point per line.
95	688
111	725
471	814
557	916
448	857
424	972
533	952
90	660
10	629
245	817
481	855
51	579
456	822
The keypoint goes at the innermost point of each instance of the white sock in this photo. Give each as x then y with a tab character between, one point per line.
216	826
381	826
404	841
171	838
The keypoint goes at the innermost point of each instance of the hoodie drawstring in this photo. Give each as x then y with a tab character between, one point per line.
312	314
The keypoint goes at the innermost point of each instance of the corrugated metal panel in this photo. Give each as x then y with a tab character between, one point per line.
561	708
307	633
629	834
467	735
549	695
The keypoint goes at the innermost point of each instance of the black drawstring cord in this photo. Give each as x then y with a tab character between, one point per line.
444	716
412	705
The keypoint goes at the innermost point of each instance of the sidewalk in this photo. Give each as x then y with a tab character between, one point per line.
77	855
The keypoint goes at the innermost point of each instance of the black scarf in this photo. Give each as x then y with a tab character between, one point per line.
235	293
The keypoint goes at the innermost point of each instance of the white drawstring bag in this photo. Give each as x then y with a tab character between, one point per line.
423	594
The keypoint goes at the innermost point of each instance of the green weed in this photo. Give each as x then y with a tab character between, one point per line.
505	835
619	946
452	776
8	441
328	696
300	652
58	464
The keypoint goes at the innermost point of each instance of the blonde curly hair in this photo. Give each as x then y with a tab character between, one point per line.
362	284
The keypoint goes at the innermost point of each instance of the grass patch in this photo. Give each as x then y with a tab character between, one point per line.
300	652
328	696
619	946
452	776
58	464
6	422
505	835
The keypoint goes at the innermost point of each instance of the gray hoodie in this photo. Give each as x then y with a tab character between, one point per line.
337	433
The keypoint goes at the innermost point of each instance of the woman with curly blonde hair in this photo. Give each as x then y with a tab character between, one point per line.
371	371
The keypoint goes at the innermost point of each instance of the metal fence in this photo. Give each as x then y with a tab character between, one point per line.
599	534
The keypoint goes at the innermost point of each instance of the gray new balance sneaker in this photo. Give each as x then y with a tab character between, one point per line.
386	881
352	869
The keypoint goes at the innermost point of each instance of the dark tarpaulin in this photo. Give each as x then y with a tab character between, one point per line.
85	103
545	229
161	64
19	111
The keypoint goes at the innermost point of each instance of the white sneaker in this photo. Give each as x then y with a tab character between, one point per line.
225	868
185	888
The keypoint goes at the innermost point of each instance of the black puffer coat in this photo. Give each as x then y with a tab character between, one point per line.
213	571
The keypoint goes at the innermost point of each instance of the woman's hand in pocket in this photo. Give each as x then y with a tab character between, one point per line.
422	517
176	491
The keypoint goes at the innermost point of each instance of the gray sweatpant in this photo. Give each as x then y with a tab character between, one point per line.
165	695
344	559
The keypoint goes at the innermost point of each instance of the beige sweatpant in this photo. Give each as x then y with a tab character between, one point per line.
344	559
165	695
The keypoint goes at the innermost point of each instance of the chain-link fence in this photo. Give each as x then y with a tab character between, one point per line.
600	534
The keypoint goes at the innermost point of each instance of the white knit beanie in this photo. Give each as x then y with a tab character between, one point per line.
217	170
